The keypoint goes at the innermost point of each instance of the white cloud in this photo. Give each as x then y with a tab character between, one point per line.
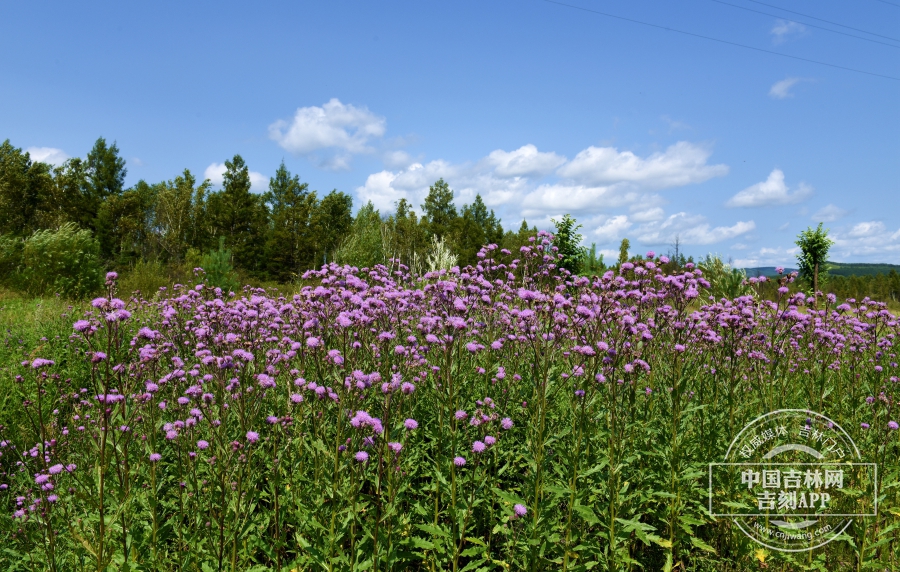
784	29
829	213
612	229
782	89
681	164
341	128
779	256
50	155
574	199
598	181
690	229
770	192
524	161
866	229
216	171
647	215
397	159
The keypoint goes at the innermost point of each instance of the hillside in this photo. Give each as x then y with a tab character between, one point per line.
837	269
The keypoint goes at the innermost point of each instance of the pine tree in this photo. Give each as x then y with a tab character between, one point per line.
289	249
241	217
440	212
105	170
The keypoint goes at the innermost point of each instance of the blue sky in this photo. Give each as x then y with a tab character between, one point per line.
541	108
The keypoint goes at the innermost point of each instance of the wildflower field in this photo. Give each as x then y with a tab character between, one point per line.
503	416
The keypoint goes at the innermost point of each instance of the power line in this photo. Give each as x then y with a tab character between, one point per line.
668	29
826	21
806	24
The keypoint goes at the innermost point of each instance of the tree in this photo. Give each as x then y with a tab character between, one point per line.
331	221
473	229
440	212
567	240
512	241
177	215
23	184
362	246
122	224
814	246
623	251
407	238
68	198
240	216
105	169
289	248
592	262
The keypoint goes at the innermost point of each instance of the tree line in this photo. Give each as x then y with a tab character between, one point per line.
270	236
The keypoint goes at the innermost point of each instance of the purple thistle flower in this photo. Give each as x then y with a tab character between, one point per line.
361	456
154	457
252	436
411	424
202	445
461	414
892	425
520	510
478	447
489	440
506	423
459	461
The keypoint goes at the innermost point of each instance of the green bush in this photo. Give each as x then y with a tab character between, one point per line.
64	261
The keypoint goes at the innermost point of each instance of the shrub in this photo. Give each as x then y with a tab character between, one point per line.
64	261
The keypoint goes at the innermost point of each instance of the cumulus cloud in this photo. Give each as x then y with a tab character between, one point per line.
216	171
524	161
647	215
690	229
829	213
783	29
342	129
782	89
866	229
50	155
681	164
611	229
592	186
771	192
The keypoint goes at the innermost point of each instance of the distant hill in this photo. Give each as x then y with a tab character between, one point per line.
858	269
837	269
767	271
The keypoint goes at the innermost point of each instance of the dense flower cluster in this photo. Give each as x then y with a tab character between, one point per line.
474	403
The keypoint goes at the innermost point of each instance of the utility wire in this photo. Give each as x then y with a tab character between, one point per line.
826	21
805	24
668	29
